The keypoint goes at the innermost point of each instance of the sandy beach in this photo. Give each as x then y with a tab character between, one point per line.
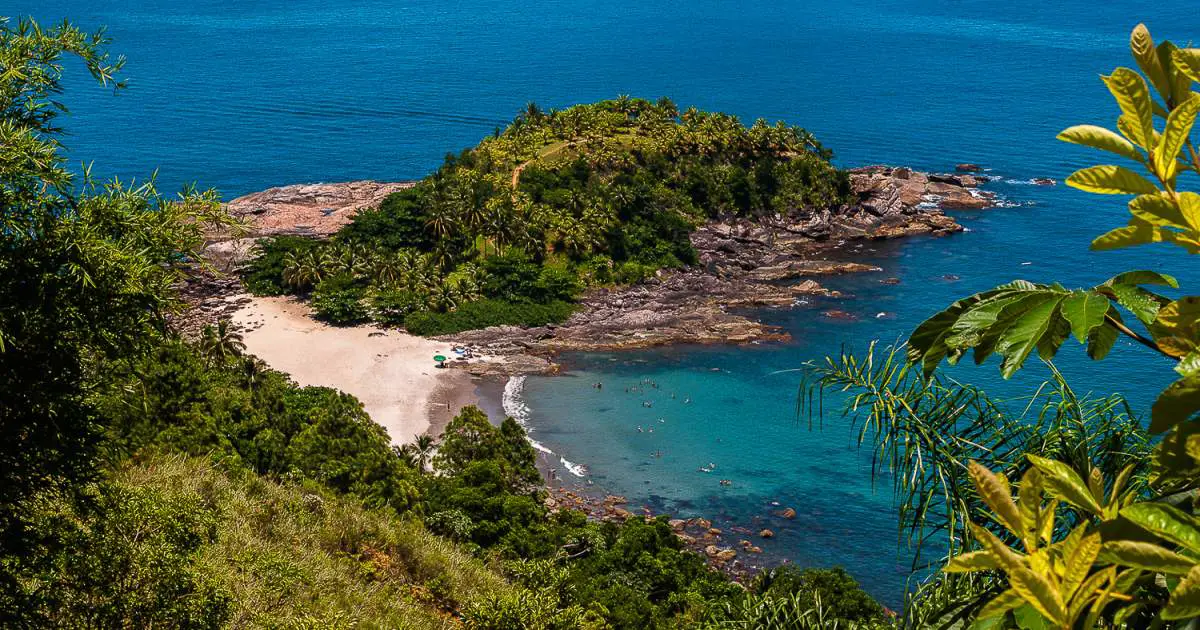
391	372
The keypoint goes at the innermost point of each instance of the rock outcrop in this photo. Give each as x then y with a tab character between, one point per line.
309	209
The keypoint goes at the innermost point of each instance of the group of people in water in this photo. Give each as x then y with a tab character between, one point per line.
648	404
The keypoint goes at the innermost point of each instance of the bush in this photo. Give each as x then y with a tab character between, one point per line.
264	274
485	313
836	591
339	301
390	306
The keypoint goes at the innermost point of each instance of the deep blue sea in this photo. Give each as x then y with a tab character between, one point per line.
248	95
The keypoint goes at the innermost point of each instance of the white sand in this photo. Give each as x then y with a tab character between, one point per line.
391	372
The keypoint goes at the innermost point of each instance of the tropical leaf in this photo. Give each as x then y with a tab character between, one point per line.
1157	210
998	497
971	561
1079	563
1133	97
1025	334
1187	62
1102	339
1189	205
1144	555
1063	482
1140	233
1185	599
1175	404
1108	179
1175	134
1166	522
1085	311
1000	605
1143	276
1100	138
1142	303
1146	55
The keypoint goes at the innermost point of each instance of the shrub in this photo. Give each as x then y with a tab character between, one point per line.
263	275
390	306
485	313
339	301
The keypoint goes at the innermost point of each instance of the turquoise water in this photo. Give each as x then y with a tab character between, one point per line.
244	97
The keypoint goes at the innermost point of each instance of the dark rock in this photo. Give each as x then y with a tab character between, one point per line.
968	168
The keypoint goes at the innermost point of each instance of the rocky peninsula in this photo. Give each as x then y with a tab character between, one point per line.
742	265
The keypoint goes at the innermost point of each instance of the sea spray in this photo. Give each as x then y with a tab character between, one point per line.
515	407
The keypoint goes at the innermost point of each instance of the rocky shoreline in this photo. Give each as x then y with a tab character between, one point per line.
742	265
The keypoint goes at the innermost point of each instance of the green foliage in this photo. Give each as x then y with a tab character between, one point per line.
557	202
485	313
1086	540
832	590
86	274
129	560
296	555
338	300
264	273
241	412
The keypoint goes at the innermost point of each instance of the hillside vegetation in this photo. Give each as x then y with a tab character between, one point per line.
511	230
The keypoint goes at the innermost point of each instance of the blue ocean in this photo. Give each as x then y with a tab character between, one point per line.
244	96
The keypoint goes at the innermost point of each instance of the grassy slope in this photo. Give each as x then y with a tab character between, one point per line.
298	557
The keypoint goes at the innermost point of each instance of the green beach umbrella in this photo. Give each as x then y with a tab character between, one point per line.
439	358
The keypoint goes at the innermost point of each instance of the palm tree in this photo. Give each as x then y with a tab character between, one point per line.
301	271
220	344
422	449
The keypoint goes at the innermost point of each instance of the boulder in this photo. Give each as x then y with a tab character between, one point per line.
766	533
968	167
788	513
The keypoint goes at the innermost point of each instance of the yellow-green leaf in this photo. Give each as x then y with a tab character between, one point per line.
1109	179
1142	46
1063	482
971	561
1157	209
1144	555
1079	564
1175	134
1189	205
1039	593
1100	138
1175	404
1187	61
1133	97
1185	599
1000	606
998	497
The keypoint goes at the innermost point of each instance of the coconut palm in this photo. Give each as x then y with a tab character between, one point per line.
220	344
422	449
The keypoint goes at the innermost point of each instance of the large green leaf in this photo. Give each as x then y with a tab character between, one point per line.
1063	482
1144	555
1143	304
1175	404
1143	276
1025	334
1100	138
1133	97
1085	311
1185	599
996	335
1175	134
1166	522
1103	338
926	344
1109	179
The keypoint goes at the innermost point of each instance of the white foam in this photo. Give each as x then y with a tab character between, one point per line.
515	407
